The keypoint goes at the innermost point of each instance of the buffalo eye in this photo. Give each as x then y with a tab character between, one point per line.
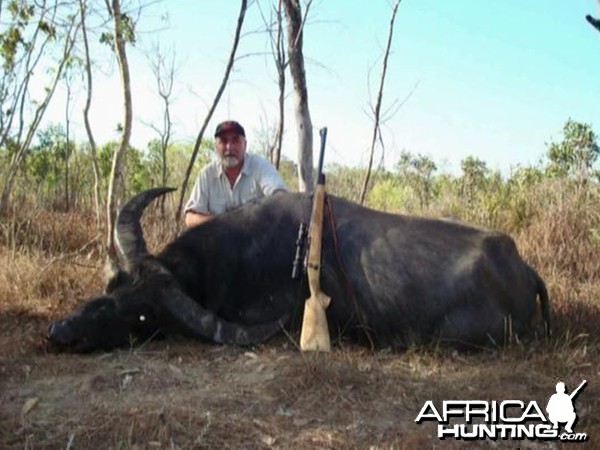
142	318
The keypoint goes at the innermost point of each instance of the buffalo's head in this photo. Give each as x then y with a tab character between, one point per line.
144	300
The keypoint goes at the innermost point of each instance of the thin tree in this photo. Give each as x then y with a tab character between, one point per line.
277	41
293	14
163	69
377	109
197	144
123	27
86	111
17	126
576	154
67	154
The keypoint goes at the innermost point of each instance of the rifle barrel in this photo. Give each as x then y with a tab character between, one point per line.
323	134
574	393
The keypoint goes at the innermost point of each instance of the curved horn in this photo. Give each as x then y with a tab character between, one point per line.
205	324
128	231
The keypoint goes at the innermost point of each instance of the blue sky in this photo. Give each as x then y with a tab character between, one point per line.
495	79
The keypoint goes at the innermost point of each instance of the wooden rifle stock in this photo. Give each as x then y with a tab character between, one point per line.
314	335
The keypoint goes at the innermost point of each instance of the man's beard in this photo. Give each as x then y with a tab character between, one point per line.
229	161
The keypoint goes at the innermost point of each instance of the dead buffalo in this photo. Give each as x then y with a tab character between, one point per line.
395	280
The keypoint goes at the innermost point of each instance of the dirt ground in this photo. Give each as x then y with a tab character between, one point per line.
179	394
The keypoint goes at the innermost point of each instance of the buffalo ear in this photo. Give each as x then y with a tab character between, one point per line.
114	277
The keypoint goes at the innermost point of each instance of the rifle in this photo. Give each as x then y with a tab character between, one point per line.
576	391
314	335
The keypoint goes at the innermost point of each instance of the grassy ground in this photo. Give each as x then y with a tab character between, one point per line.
185	394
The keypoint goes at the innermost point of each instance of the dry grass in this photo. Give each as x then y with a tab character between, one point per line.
182	394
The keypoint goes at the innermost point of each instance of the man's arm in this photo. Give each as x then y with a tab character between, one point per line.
193	218
196	210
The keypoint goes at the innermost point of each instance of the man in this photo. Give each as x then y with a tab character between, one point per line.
234	179
560	407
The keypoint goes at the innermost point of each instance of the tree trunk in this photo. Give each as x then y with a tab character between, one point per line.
293	15
116	181
86	114
9	179
67	143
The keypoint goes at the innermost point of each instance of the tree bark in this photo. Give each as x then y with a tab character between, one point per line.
293	15
116	182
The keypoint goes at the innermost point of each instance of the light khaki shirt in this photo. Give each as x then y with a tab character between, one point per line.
213	194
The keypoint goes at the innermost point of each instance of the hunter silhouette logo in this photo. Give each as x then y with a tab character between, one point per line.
507	419
560	406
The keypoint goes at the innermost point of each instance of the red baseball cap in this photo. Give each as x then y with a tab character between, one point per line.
229	126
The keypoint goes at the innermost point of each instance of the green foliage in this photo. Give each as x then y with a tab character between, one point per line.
46	160
179	155
7	151
344	181
520	184
46	164
390	195
107	37
138	173
47	28
127	31
156	160
525	177
16	29
416	172
288	170
128	28
476	195
9	43
576	154
20	10
474	172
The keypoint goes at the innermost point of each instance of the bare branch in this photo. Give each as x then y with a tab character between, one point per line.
277	44
164	74
301	30
377	110
211	111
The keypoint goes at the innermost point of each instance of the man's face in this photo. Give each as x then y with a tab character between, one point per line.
231	148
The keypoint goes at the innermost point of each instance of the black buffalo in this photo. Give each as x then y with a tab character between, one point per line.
394	280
